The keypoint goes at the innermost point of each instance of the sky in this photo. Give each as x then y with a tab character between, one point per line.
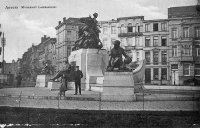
24	27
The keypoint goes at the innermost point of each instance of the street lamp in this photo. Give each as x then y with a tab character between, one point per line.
3	43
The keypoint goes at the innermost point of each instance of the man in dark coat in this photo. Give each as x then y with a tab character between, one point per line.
77	76
19	79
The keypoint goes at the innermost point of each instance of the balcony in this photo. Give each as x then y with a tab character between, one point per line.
196	38
186	58
186	38
130	34
127	48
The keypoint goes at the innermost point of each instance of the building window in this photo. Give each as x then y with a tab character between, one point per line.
105	30
134	28
186	69
155	57
155	27
186	32
198	51
164	57
164	26
123	42
146	27
197	69
147	57
174	66
174	33
122	29
155	41
129	41
197	32
138	56
155	74
68	51
174	51
147	42
69	33
105	43
186	51
130	28
164	73
164	41
113	30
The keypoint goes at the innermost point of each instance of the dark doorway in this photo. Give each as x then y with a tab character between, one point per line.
147	75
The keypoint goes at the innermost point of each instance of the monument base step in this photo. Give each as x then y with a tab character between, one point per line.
54	85
121	98
96	87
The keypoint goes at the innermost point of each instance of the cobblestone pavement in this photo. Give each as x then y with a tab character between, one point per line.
99	105
155	102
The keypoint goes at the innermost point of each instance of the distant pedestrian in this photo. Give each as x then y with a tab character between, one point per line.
77	76
19	80
63	86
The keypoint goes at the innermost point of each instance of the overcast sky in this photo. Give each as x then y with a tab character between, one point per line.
24	27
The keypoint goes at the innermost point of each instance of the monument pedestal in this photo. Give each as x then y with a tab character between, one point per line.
42	80
118	86
92	62
54	85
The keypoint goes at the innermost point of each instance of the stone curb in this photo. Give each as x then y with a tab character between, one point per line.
138	98
52	97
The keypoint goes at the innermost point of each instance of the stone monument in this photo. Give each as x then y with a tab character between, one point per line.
87	52
118	83
44	77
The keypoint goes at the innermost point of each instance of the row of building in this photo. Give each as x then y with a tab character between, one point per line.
170	46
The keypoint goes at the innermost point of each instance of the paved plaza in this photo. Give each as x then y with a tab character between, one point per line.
89	100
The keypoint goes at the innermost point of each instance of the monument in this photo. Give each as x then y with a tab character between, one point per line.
44	77
117	85
87	53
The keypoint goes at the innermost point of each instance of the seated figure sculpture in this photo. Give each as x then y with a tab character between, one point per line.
46	69
116	60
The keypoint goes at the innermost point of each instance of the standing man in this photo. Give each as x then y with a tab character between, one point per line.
78	75
19	79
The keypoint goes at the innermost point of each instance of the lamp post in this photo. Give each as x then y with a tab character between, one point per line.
3	43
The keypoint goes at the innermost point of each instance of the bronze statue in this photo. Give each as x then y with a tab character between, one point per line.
88	34
46	69
65	72
116	60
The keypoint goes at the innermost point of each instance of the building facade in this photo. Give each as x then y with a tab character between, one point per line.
130	35
185	50
109	33
67	34
155	46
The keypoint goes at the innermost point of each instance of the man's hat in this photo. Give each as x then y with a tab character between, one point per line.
95	14
116	42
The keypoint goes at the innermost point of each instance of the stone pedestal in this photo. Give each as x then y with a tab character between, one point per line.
92	62
70	85
42	80
118	86
54	85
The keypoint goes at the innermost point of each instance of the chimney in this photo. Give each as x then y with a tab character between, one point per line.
59	22
64	19
42	38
